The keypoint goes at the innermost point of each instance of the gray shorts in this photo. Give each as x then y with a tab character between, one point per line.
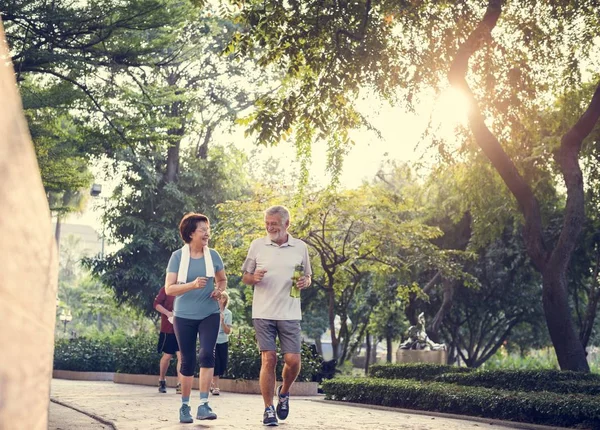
288	331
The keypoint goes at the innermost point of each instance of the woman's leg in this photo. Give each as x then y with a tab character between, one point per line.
208	330
186	331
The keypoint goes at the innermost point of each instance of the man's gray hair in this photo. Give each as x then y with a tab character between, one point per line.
282	211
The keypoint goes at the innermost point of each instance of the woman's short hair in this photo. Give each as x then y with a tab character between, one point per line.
224	294
282	211
188	225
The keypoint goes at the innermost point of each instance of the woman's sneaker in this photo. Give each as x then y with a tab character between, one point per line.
205	413
162	386
178	388
269	418
283	404
184	414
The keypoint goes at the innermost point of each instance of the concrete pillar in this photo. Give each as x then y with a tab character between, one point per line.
28	268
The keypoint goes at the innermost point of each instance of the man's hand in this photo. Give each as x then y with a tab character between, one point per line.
259	275
199	283
303	282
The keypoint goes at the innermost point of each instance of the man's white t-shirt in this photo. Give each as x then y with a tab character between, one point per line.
272	295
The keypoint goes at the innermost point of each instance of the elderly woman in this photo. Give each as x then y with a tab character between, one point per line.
196	277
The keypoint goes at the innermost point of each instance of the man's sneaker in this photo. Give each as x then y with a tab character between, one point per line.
178	388
205	413
269	418
283	404
162	386
184	414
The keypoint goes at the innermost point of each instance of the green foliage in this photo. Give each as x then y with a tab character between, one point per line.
85	355
531	360
419	371
93	306
137	355
547	408
111	353
527	380
245	361
507	302
147	212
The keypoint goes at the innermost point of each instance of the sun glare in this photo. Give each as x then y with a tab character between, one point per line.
451	109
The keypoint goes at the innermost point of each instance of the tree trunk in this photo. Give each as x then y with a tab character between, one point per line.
172	164
319	345
569	350
390	347
367	353
57	232
334	338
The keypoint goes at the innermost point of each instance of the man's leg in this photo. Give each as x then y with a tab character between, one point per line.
291	369
267	376
291	347
164	365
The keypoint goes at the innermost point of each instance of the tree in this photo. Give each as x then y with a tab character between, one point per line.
146	213
330	50
483	318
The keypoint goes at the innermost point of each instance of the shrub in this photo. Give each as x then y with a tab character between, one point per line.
244	359
528	380
137	355
541	407
84	355
420	371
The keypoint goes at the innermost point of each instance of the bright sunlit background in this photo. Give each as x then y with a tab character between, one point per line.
401	140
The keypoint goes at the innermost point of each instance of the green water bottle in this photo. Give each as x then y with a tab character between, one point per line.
298	273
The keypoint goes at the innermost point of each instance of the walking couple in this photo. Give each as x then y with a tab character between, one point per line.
196	277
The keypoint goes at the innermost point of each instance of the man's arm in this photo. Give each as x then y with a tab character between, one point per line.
253	278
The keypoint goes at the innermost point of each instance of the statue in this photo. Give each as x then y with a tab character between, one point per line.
418	339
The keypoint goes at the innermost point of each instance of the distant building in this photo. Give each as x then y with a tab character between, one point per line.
90	242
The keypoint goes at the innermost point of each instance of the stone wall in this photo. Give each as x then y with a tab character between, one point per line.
28	267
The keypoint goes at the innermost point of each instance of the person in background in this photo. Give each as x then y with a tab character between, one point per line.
196	277
272	262
222	346
167	341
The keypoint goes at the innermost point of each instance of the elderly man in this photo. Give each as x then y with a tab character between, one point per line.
270	266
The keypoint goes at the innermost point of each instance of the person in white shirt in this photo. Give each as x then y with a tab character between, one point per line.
270	267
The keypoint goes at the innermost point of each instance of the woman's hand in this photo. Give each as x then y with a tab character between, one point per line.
216	294
199	283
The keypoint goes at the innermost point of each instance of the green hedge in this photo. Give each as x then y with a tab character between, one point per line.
420	371
244	359
137	355
540	407
528	380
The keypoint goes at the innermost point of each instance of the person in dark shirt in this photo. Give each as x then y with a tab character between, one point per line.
167	342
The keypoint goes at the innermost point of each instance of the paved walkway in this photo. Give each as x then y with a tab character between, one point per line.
124	407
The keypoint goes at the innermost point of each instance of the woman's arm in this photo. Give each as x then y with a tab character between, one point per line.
221	280
174	289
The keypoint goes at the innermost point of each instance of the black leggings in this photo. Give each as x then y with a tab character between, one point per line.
187	332
221	355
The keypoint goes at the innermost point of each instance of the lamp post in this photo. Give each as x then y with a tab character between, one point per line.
65	317
95	191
